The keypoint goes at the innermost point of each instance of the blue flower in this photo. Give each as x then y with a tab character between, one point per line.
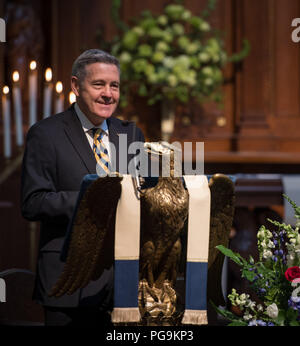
262	291
294	303
261	323
295	299
252	323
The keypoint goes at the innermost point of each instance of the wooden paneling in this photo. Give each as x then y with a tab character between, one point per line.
252	80
261	109
286	56
261	106
268	86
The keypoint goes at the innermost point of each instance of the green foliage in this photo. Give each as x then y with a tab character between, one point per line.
174	55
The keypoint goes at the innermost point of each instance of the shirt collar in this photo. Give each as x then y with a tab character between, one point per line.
85	122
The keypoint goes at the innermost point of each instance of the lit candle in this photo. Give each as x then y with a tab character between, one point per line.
59	102
72	97
17	108
32	93
6	122
48	93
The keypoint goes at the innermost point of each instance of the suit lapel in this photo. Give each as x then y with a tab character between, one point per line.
114	141
77	137
118	128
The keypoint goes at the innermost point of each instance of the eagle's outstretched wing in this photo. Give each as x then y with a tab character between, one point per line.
222	212
94	219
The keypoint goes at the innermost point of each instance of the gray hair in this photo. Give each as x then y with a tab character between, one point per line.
91	56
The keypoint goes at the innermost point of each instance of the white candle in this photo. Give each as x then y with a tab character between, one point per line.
48	93
59	102
17	108
6	122
32	93
72	97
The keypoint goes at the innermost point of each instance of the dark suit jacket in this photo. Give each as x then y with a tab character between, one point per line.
57	156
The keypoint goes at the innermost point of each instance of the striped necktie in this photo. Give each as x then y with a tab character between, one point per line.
100	151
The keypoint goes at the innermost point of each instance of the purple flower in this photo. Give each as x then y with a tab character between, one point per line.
262	291
252	323
261	323
294	303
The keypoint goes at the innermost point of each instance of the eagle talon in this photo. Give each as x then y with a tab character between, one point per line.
156	302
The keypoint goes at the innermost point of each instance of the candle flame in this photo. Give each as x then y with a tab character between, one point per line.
72	97
16	76
48	74
32	65
59	87
5	90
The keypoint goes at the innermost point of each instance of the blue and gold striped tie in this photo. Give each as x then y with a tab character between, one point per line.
100	151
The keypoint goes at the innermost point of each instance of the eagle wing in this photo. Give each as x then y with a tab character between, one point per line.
222	212
94	218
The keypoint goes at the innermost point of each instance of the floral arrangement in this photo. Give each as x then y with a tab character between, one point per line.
275	279
175	55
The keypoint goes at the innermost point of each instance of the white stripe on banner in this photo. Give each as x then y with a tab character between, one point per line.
199	218
127	228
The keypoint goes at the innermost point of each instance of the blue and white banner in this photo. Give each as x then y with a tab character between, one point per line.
127	252
197	250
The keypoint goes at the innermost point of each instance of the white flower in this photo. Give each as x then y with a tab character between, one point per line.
138	30
125	57
271	244
247	317
267	254
290	259
259	307
263	244
238	301
272	310
243	296
250	304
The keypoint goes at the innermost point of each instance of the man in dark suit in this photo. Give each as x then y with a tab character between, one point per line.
58	154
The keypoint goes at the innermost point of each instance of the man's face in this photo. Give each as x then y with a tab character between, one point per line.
99	92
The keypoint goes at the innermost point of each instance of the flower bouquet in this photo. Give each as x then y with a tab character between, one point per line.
175	55
274	278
